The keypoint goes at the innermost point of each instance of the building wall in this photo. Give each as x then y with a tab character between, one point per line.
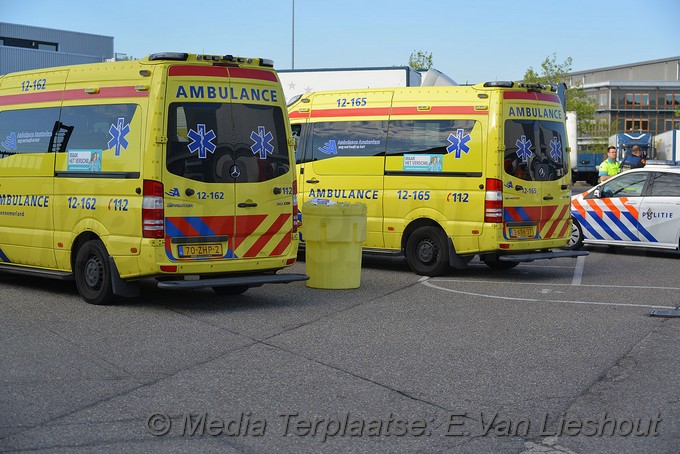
71	48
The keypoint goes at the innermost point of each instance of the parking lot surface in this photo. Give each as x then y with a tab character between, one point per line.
555	356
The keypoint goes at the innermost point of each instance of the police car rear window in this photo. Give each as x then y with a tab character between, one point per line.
226	143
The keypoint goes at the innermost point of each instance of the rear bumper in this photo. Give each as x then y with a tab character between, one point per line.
530	257
249	280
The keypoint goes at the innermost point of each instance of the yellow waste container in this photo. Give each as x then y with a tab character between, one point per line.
333	235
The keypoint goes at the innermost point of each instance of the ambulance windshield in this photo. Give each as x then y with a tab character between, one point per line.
535	150
226	143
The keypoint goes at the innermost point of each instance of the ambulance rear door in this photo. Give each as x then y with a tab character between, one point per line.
536	196
227	174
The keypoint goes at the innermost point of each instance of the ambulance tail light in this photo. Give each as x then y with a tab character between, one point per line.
296	212
493	201
152	210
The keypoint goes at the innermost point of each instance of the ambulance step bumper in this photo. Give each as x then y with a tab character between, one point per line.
251	281
541	256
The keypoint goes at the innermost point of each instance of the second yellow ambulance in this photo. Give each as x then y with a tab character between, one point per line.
446	173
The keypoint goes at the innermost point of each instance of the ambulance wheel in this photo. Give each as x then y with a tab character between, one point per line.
491	260
575	237
427	253
232	290
93	273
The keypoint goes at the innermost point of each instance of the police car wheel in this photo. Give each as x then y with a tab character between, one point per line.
93	274
232	290
427	253
575	237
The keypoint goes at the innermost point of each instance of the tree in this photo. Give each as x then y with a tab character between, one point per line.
577	101
420	61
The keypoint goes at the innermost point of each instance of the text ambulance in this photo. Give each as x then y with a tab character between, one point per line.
177	167
446	173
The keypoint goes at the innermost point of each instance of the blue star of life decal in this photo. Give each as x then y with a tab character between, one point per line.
556	149
458	143
524	148
118	133
201	141
329	148
262	142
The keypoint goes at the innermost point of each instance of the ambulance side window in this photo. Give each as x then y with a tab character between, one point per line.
424	136
348	138
26	131
99	127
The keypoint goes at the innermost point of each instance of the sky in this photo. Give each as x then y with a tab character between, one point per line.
470	41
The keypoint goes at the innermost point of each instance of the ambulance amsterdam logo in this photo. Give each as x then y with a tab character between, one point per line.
329	148
118	133
10	143
262	142
556	149
201	141
524	148
458	143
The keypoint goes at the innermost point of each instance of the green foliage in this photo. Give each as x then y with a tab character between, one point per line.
420	60
577	101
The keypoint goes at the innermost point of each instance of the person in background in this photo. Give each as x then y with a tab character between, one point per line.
609	166
634	160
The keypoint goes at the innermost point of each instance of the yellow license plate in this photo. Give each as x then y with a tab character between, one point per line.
522	232
200	250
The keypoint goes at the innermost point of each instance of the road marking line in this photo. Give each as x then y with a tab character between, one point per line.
578	270
436	279
534	300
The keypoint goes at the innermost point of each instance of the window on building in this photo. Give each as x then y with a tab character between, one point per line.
637	125
637	99
604	100
672	99
672	124
28	44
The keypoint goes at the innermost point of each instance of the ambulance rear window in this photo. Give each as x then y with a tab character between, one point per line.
226	143
535	150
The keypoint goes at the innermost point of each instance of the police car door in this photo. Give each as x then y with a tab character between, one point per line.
613	212
660	210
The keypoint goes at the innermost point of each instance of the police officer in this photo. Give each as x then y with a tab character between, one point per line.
634	160
609	166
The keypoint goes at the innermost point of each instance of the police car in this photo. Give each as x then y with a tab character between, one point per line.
639	208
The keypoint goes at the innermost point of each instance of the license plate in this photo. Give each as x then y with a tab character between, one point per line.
200	250
522	232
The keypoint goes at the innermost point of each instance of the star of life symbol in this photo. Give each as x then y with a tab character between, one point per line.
524	148
262	142
458	143
10	143
201	141
118	133
555	150
329	148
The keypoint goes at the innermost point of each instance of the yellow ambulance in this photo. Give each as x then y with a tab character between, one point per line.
178	167
446	172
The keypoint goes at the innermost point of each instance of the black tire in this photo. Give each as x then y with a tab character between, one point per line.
576	236
93	273
492	262
231	290
427	252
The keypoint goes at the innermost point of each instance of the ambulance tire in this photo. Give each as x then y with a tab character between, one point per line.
575	237
93	273
426	251
231	290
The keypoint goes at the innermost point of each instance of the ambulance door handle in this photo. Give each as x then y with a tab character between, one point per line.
189	192
519	188
548	197
313	180
247	205
564	186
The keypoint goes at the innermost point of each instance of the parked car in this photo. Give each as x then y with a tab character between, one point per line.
639	208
